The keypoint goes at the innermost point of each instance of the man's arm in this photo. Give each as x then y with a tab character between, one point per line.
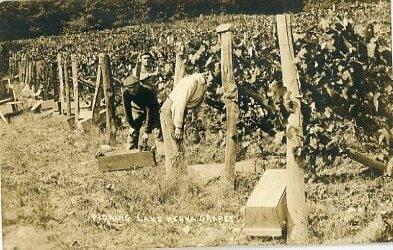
152	110
127	107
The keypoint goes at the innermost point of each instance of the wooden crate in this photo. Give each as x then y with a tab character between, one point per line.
126	160
266	209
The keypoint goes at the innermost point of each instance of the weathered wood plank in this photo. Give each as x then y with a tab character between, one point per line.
231	100
97	95
3	118
86	122
109	97
87	83
36	107
5	101
265	211
374	164
297	215
180	64
126	161
48	104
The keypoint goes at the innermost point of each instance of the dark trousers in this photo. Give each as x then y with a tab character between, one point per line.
139	116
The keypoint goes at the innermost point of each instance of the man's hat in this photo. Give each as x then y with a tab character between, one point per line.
146	53
130	80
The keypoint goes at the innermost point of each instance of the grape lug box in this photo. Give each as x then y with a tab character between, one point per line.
126	160
266	209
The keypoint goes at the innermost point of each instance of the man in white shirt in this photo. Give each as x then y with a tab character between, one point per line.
187	94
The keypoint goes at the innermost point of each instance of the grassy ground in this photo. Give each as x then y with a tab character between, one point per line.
53	195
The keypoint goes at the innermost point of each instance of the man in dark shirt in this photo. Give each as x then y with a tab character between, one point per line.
140	104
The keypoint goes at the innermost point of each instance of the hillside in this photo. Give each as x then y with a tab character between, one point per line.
53	194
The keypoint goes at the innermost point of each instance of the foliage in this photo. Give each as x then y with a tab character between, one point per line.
344	68
28	19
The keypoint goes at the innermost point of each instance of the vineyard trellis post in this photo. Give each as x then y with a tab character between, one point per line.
74	67
11	64
180	64
21	70
33	80
97	97
53	81
67	88
29	73
297	216
391	27
61	82
225	32
106	75
45	79
25	70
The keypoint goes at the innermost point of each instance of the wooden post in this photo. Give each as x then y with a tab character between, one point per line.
391	26
15	64
109	96
22	70
74	66
34	79
97	98
11	63
297	218
67	88
231	100
53	81
180	66
25	70
29	73
61	94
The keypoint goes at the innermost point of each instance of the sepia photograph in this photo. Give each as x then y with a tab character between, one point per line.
196	123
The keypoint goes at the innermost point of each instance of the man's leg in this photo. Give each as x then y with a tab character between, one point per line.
177	157
166	119
157	125
174	150
133	137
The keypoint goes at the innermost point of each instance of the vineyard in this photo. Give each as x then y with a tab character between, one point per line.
344	63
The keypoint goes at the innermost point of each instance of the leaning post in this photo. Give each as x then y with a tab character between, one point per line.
297	216
95	105
104	62
225	32
180	66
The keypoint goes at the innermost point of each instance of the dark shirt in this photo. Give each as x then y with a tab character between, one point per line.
146	101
